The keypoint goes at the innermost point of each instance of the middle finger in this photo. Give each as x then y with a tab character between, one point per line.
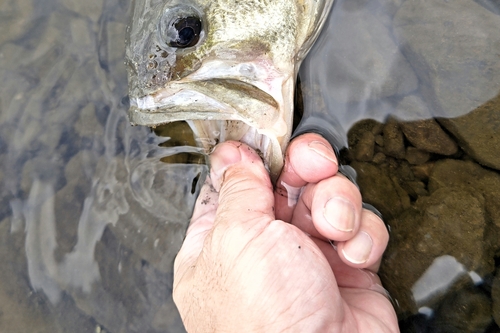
330	209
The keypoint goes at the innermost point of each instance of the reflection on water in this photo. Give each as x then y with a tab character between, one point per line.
91	218
412	88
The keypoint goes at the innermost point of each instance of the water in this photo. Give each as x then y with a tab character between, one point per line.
91	218
413	89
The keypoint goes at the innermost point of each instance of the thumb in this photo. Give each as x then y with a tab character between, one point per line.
238	192
244	186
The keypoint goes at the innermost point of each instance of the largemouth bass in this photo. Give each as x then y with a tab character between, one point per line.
227	67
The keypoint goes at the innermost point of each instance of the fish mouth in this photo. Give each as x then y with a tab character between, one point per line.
210	132
219	110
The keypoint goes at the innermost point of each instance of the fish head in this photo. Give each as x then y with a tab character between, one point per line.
227	67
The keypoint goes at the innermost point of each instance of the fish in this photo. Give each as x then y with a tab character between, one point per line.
226	67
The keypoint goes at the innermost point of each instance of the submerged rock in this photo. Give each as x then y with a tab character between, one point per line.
438	211
422	171
467	310
478	133
393	139
416	156
379	190
365	147
16	17
470	176
453	224
449	223
89	8
428	136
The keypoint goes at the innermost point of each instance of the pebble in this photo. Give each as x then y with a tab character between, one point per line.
416	156
365	147
393	139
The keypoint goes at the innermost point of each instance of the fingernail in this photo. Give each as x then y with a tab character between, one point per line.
321	149
291	192
340	214
222	157
357	250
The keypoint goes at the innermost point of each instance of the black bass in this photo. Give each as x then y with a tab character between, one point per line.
227	67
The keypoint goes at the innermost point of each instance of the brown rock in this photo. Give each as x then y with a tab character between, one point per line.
357	130
393	140
365	147
422	171
377	129
428	136
379	158
478	133
454	220
451	222
466	310
491	243
379	190
404	172
415	189
379	140
416	156
469	175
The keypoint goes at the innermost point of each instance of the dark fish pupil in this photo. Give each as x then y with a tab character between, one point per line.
186	35
188	32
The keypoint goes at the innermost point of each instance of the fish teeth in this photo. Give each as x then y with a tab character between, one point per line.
209	133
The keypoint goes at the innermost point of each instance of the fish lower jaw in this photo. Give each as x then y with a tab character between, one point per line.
211	132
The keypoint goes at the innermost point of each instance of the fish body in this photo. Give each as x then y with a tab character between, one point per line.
227	67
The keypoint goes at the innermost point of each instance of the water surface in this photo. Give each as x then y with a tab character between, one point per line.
92	215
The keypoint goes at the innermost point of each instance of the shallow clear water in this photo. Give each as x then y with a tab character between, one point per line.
91	218
413	89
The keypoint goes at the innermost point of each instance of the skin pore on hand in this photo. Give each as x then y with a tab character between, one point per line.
302	257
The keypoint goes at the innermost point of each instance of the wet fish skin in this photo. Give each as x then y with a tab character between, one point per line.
236	82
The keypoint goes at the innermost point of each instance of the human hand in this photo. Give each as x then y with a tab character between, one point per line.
240	269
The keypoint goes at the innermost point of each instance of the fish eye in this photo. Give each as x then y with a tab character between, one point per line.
184	32
180	26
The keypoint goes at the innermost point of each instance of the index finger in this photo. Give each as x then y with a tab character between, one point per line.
309	159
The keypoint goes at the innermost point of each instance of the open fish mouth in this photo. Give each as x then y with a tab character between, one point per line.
227	68
219	110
